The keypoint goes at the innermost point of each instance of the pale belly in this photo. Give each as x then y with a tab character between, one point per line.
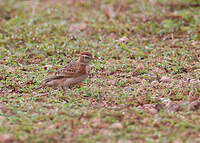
71	81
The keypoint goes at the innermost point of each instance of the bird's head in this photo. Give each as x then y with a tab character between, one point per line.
85	58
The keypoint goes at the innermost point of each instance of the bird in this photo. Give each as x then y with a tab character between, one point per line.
73	73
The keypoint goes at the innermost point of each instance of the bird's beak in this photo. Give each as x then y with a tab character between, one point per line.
94	57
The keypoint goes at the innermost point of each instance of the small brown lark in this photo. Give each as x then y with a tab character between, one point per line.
73	73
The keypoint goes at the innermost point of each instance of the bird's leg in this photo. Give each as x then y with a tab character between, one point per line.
78	85
64	88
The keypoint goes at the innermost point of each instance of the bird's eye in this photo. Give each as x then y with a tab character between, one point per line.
86	58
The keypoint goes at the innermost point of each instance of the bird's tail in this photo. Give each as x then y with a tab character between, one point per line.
48	82
44	83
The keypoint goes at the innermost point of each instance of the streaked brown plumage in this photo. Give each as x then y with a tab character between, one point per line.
73	73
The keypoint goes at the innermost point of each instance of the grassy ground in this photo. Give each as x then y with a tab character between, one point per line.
144	85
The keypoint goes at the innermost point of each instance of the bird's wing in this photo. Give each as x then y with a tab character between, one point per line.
71	70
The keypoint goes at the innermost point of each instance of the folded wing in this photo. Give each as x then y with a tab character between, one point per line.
69	71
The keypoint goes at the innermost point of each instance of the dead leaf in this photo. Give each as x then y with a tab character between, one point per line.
136	80
195	105
150	108
117	126
166	79
174	106
152	111
11	69
77	27
155	83
128	88
85	131
193	81
140	66
123	40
